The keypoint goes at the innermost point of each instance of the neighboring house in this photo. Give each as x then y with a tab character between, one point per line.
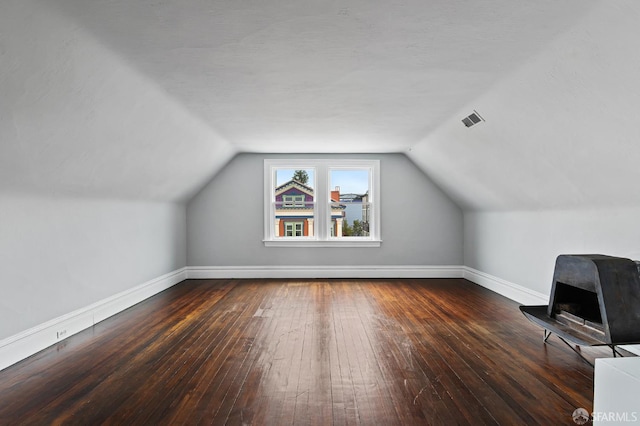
337	213
357	208
294	211
366	213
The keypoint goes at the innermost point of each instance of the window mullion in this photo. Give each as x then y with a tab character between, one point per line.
321	201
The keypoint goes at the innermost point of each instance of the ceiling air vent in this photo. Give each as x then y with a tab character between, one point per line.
474	118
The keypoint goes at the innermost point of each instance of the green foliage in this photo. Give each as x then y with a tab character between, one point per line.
301	176
346	229
357	230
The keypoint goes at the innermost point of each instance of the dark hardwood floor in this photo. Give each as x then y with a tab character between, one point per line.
321	352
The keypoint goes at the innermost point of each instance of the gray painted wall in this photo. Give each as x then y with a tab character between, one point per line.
521	247
62	254
420	224
554	168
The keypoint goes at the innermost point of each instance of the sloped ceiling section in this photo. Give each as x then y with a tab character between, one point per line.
149	98
561	132
323	76
77	119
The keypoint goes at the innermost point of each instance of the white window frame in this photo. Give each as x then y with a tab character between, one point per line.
293	201
294	227
322	206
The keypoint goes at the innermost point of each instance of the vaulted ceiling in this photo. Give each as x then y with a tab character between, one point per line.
150	98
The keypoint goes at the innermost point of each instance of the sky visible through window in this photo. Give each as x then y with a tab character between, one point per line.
285	175
350	181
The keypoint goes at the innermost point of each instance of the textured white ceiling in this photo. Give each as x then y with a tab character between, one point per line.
150	98
323	76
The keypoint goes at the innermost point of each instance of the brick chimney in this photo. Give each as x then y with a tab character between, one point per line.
335	194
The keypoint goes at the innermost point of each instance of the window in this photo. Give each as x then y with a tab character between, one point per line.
322	202
293	200
293	229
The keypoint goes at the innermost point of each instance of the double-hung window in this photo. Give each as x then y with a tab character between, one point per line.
322	202
293	200
293	229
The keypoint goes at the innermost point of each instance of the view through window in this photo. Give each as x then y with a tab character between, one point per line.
294	202
321	200
349	202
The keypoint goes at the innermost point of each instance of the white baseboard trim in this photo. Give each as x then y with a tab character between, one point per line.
505	288
24	344
518	293
308	272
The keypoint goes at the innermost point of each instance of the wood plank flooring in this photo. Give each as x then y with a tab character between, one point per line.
308	352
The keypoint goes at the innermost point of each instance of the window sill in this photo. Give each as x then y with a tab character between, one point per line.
322	243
